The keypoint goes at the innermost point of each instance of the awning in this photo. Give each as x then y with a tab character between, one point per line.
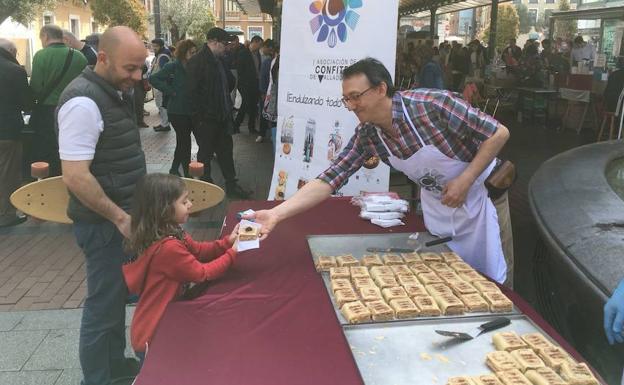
255	7
420	8
589	13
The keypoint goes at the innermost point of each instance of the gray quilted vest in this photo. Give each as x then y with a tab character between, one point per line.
119	161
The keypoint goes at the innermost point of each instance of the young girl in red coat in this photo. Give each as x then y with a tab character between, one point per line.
168	258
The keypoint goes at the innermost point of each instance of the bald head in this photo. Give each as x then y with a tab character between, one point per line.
9	46
121	57
119	38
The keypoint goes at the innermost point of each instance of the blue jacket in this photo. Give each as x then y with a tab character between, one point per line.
431	76
171	80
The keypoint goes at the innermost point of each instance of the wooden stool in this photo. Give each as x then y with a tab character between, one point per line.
611	116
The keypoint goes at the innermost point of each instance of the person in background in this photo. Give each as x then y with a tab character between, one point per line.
615	85
431	73
171	80
140	90
93	40
53	68
72	41
511	54
477	59
167	257
15	97
268	54
162	56
581	51
269	110
248	68
530	67
460	65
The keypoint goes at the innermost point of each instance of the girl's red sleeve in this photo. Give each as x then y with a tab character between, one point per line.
207	251
183	266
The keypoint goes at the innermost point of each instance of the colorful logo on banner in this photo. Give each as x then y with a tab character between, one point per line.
332	19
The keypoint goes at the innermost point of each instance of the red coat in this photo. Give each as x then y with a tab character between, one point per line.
159	274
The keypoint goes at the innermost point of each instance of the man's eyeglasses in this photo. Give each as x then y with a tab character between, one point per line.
355	97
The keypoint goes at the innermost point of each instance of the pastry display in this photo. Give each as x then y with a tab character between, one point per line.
392	259
527	359
248	233
461	267
462	287
513	377
449	276
577	374
427	306
416	290
429	278
347	260
340	284
343	296
370	293
384	281
405	280
404	308
508	341
359	272
486	286
474	303
500	361
419	268
362	282
355	312
380	311
486	379
324	263
461	380
391	293
411	257
450	256
378	271
339	272
371	260
472	276
555	357
449	304
498	302
544	376
438	288
536	341
401	269
439	267
430	257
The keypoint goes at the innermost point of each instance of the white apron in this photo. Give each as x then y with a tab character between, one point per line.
474	225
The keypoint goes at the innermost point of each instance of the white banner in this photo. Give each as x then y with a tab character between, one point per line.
319	39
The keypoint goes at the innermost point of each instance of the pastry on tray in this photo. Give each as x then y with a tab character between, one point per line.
347	260
449	304
340	284
380	311
438	288
417	290
486	286
449	276
371	260
472	276
462	287
577	374
339	272
324	263
355	312
404	308
361	282
474	303
370	293
377	271
391	293
343	296
401	269
407	279
384	281
544	376
513	377
486	379
248	233
460	380
508	341
440	266
430	257
419	268
411	257
536	341
392	259
429	278
461	267
450	256
499	303
555	357
359	271
527	359
427	306
500	361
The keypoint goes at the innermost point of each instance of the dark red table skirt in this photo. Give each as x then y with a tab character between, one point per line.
269	320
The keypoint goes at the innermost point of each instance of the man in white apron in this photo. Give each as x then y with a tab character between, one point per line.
439	141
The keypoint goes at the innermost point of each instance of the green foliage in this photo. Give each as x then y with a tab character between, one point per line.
507	26
523	16
565	28
23	11
130	13
186	17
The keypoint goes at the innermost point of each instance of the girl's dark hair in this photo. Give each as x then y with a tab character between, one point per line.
375	72
153	211
183	47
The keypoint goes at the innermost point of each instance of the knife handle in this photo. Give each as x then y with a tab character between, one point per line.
438	241
495	324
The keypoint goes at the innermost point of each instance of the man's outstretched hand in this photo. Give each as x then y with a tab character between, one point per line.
267	218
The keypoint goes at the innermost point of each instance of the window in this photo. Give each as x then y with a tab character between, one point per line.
94	26
48	19
532	16
74	25
550	1
231	6
254	31
532	1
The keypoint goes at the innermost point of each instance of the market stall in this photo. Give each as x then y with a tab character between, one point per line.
272	319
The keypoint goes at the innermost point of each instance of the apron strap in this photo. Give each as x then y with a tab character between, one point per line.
406	115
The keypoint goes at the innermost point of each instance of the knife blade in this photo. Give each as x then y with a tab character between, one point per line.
389	250
486	327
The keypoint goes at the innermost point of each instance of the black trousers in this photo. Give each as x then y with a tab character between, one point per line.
213	139
139	98
248	107
45	140
183	126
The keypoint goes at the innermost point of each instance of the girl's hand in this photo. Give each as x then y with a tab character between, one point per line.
234	235
235	246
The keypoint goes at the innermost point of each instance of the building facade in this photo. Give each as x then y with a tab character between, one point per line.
237	21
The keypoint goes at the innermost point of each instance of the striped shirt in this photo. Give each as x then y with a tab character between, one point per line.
442	119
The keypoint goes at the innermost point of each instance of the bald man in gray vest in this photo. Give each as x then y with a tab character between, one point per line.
102	160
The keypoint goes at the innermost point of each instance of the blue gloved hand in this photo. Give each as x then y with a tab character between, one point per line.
614	315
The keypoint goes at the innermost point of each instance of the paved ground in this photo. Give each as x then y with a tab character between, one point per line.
42	268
